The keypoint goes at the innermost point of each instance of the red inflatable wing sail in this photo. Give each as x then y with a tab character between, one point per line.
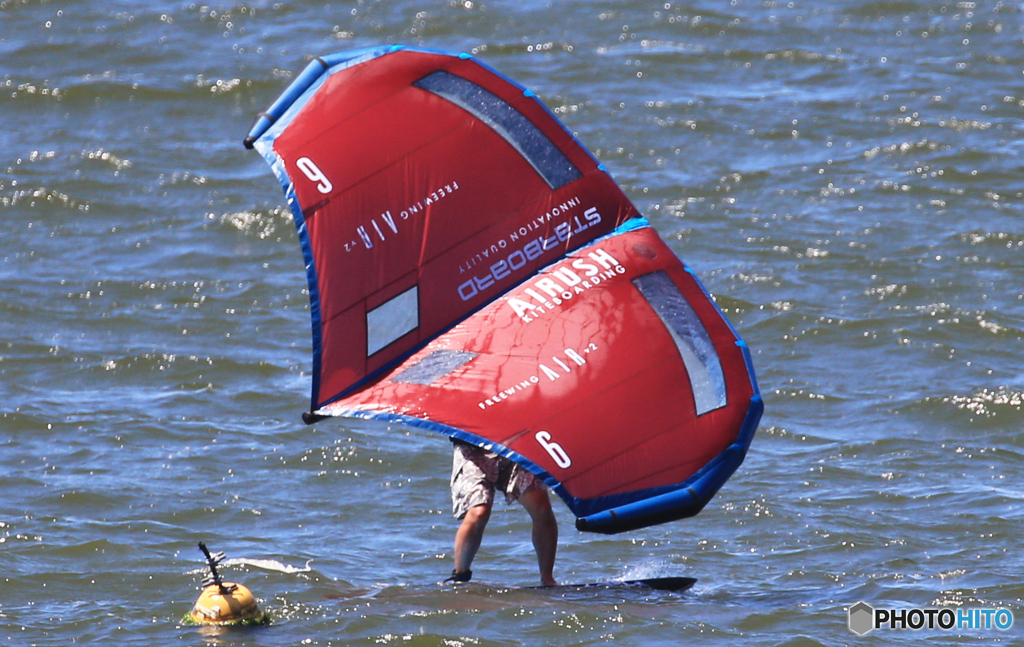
611	373
474	271
423	185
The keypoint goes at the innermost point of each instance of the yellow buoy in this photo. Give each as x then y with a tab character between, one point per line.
226	604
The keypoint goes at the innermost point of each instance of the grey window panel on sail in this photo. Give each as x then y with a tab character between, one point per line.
691	338
434	366
517	130
391	320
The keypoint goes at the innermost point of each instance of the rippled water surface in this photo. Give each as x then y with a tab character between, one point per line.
845	177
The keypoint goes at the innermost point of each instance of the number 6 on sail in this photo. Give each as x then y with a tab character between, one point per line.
556	451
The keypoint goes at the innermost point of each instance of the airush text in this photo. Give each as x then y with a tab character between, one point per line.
545	294
526	246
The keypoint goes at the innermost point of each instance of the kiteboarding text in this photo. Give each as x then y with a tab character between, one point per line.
545	294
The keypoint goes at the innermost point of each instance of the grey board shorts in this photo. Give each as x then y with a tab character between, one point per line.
477	473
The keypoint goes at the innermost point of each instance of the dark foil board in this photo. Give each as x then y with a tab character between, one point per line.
676	584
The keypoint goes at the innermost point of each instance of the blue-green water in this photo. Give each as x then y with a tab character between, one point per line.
845	177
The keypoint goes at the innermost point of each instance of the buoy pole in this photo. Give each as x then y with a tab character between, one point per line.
224	603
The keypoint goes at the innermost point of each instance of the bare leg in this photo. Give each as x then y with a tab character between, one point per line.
469	536
545	531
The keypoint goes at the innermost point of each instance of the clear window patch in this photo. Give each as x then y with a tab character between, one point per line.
691	338
434	366
391	320
517	130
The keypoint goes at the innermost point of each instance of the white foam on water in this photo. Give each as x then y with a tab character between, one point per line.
648	569
267	565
